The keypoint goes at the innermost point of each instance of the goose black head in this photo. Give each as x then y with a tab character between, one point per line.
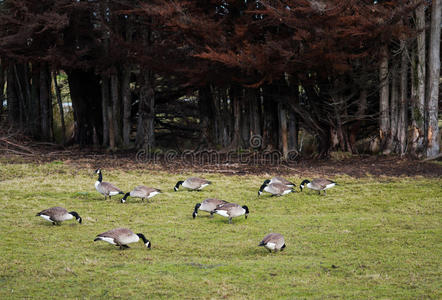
145	241
77	217
177	186
195	212
247	210
304	182
266	183
123	200
100	176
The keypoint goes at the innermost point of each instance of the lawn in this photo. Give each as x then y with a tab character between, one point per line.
371	237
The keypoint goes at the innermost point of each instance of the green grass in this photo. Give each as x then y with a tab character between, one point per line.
384	235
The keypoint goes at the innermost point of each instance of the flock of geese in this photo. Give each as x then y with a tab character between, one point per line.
277	186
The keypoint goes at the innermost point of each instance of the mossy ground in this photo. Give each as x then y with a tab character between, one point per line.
372	237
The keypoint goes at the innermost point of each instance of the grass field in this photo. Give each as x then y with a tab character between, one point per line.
368	238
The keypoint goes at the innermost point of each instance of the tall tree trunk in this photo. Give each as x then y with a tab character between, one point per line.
236	132
13	101
2	86
293	131
125	95
245	120
254	103
19	81
418	121
146	113
394	107
362	107
35	101
384	120
84	87
104	108
60	108
116	109
283	131
432	144
403	111
205	116
44	104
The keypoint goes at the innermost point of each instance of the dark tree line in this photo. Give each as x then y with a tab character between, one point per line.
214	74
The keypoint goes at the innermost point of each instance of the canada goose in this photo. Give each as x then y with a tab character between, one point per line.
276	189
106	188
121	237
318	184
284	181
208	205
192	183
142	192
57	214
273	241
231	210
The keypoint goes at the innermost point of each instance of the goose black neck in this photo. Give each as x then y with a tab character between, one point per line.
125	196
195	212
100	177
262	187
305	181
246	208
141	236
77	217
177	186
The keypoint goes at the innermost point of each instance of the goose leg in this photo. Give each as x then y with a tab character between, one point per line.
211	214
325	193
230	220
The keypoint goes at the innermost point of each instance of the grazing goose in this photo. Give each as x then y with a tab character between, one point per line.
57	214
208	205
192	183
318	184
284	181
121	237
273	241
142	192
106	188
231	210
276	189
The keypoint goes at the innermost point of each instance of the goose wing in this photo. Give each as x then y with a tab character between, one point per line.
109	187
321	182
53	212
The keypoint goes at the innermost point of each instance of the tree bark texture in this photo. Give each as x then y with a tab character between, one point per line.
432	136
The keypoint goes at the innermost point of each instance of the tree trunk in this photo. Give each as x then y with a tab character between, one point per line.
254	103
205	116
116	109
394	105
125	95
283	131
84	87
432	144
60	108
418	121
104	108
13	102
362	107
384	120
236	132
35	102
44	104
146	113
2	86
293	131
403	110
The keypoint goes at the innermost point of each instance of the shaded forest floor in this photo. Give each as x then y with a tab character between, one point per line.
355	165
16	148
